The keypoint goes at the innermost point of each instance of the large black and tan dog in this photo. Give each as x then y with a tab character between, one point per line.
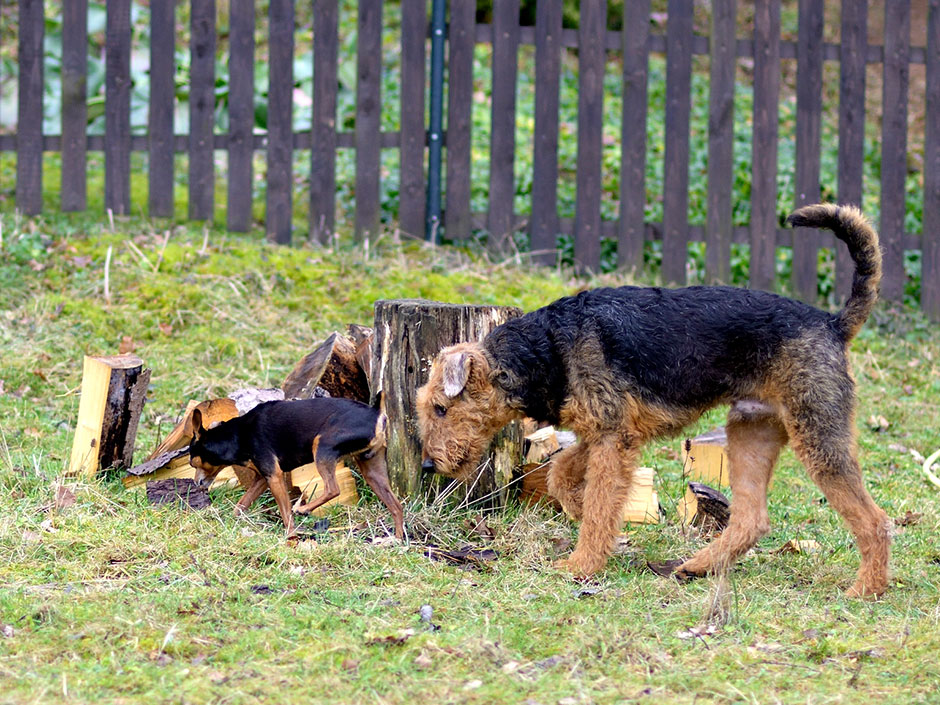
623	366
277	437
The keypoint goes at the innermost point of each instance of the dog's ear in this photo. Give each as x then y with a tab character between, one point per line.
456	373
198	428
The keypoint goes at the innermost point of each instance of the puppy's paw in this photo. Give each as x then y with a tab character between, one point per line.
580	565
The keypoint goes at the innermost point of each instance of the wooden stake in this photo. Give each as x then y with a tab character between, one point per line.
705	460
113	390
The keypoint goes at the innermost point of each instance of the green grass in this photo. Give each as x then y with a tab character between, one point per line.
113	600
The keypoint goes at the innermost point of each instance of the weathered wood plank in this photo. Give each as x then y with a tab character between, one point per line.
543	228
202	110
676	161
323	150
74	187
29	108
930	238
897	29
854	38
636	35
280	155
503	124
117	111
722	65
591	60
460	36
160	116
412	184
764	143
808	147
368	118
241	114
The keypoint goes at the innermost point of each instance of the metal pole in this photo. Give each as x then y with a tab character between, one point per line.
435	131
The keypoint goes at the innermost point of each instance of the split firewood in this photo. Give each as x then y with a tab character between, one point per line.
112	398
541	444
713	510
332	366
178	490
705	460
535	485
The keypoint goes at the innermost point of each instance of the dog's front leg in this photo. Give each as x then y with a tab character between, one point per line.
610	466
278	484
255	490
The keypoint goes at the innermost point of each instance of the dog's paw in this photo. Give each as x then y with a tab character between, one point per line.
579	566
861	591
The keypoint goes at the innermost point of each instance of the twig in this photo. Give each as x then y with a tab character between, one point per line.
928	463
107	276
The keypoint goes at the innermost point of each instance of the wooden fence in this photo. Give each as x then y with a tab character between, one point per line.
596	46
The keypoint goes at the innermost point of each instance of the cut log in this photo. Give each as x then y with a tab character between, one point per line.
308	481
332	366
535	485
177	469
113	391
408	335
705	460
213	411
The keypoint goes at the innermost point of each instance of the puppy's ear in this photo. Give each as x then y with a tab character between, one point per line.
198	428
456	373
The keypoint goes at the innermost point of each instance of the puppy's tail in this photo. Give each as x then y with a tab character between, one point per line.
849	225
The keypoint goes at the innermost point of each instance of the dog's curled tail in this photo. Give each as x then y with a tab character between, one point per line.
852	227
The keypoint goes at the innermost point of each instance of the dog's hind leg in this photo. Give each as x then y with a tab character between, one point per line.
280	489
755	437
375	472
326	466
828	450
607	480
566	478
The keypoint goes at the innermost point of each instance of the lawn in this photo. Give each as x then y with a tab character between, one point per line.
115	601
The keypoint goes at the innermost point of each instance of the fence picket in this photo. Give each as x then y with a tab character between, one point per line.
720	141
73	184
631	233
241	114
368	118
460	41
676	164
323	150
808	147
280	130
414	25
854	45
160	118
764	143
29	108
930	235
591	60
117	111
202	110
897	29
503	124
544	224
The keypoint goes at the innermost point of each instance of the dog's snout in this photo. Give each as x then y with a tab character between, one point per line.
427	465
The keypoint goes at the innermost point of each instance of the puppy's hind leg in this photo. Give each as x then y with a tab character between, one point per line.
566	478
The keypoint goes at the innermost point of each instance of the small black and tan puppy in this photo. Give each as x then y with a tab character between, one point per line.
276	437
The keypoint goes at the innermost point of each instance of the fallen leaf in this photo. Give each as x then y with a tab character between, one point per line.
665	569
465	555
878	423
477	526
165	328
510	667
127	345
64	498
391	640
7	631
472	685
561	545
46	525
800	546
423	661
909	519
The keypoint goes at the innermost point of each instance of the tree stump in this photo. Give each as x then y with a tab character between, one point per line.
408	335
113	390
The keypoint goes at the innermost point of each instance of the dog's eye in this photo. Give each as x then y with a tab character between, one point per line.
440	410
